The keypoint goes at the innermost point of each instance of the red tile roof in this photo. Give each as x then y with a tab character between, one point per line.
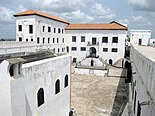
111	26
33	12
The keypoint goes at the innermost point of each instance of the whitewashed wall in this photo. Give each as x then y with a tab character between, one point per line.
144	82
19	93
38	22
80	55
135	35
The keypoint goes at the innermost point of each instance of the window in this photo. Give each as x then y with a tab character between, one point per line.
104	39
49	29
43	28
82	38
67	49
43	40
59	30
62	40
62	31
114	50
66	81
30	28
53	40
54	30
19	27
57	40
73	38
48	40
20	38
40	96
26	39
74	48
115	40
62	50
57	86
105	49
38	39
58	50
31	39
83	48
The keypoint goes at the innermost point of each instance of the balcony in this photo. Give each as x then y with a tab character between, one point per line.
93	43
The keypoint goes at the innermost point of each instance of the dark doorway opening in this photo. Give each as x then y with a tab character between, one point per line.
140	42
110	61
92	62
92	52
138	109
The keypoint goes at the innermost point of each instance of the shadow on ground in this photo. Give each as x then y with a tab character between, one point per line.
121	96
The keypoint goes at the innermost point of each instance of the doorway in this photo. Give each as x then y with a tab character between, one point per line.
140	42
92	62
92	52
110	61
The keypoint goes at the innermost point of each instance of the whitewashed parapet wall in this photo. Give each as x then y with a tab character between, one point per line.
11	47
143	68
19	92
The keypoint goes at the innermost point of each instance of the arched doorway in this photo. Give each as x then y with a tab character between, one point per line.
92	52
92	62
110	61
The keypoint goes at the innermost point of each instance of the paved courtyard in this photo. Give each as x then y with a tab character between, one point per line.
98	96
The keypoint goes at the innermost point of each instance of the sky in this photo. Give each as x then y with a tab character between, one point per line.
137	14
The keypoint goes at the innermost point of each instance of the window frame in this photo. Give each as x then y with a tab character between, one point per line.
73	38
105	49
73	49
105	39
83	38
115	40
113	50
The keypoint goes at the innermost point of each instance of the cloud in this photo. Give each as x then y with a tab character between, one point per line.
21	8
77	17
56	5
146	5
124	21
99	11
6	15
140	20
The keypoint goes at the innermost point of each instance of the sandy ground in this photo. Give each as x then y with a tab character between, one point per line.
98	96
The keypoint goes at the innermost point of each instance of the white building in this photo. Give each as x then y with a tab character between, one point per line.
34	85
105	42
142	86
41	28
140	37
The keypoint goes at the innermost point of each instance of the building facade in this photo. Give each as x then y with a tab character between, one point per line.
41	28
141	75
105	42
33	85
140	37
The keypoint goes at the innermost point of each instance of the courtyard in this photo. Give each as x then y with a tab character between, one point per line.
99	96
